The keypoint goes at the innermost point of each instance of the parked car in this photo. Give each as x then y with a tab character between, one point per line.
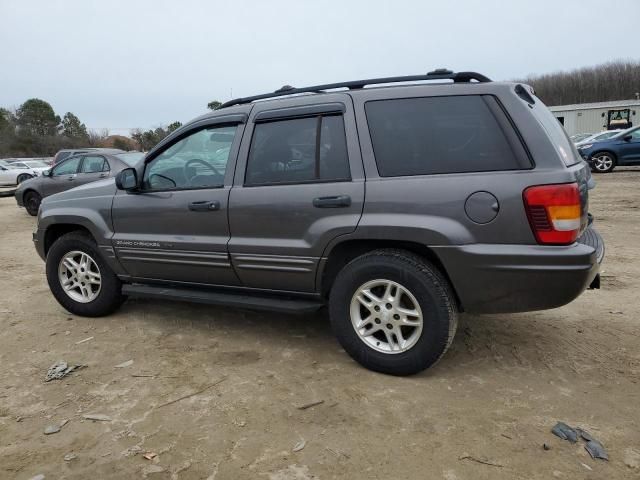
476	201
67	152
72	172
578	137
37	166
596	137
11	175
621	149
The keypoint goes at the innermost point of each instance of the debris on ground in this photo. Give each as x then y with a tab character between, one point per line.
192	394
480	460
60	370
586	466
309	405
40	476
299	446
150	455
98	417
70	456
51	429
546	446
593	446
84	340
565	432
128	363
596	450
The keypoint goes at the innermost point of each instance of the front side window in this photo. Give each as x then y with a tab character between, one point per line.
197	161
94	164
299	150
432	135
68	167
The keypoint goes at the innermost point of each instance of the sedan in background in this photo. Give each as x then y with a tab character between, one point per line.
68	152
10	175
596	137
621	149
72	172
38	166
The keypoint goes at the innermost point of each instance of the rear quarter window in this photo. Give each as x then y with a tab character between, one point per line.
557	134
435	135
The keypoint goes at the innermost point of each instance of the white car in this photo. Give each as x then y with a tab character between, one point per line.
597	137
38	166
10	175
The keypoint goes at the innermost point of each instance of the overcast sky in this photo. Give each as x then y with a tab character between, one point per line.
142	63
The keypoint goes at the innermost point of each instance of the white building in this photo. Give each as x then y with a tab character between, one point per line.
596	117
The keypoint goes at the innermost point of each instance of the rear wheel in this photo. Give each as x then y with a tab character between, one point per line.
393	312
79	278
32	202
603	162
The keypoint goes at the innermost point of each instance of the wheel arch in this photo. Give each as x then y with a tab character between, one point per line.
605	150
345	251
57	230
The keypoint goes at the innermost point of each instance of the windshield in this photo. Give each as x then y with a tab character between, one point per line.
130	159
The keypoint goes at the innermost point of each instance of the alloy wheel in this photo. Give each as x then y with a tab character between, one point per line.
79	276
386	316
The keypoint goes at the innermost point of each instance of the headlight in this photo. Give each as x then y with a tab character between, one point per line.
584	147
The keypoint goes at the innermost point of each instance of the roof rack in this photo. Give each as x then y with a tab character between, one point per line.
438	74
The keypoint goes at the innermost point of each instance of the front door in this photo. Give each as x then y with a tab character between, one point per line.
299	184
64	176
629	150
176	228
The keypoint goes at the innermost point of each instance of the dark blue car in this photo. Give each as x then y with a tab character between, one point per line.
621	149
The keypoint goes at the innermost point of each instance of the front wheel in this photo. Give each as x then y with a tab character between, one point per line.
32	202
393	312
79	278
603	162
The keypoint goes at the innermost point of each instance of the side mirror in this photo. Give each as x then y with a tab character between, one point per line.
127	179
46	173
627	138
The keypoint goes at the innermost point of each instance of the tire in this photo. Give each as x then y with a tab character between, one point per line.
32	202
404	272
104	298
22	177
603	162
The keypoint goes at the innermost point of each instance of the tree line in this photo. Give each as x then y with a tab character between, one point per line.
618	80
34	129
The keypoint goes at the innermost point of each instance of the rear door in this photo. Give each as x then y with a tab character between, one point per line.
298	185
92	168
64	176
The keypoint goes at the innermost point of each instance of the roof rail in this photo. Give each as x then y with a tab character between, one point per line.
438	74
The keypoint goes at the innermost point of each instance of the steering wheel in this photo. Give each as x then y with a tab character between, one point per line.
202	162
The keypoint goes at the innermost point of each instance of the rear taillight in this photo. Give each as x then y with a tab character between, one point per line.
554	212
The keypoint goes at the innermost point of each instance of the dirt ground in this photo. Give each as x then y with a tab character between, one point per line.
493	398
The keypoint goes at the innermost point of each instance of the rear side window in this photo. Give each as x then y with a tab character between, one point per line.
94	164
299	150
558	135
431	135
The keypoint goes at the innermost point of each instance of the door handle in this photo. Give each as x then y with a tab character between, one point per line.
332	202
204	206
71	177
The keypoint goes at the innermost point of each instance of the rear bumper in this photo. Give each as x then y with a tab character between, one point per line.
490	278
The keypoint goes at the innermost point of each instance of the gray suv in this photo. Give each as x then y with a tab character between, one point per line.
398	206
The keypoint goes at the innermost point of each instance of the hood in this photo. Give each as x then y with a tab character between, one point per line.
100	188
